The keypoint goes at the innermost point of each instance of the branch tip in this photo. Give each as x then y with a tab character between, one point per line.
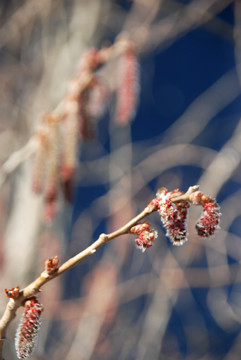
51	264
192	189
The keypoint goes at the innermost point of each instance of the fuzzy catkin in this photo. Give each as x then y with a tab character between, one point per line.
28	329
209	220
127	94
173	216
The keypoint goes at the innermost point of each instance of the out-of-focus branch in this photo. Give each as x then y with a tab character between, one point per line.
178	23
224	164
196	14
22	17
17	158
106	54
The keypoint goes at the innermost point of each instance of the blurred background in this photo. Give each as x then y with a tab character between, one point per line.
168	302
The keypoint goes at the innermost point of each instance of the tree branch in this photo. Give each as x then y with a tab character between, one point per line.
120	46
161	204
35	287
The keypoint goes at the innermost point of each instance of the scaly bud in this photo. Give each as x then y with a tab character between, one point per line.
51	264
13	293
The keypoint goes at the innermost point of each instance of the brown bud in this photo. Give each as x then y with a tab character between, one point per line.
139	228
13	293
51	264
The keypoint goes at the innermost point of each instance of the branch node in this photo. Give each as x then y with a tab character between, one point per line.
44	274
150	208
192	189
103	237
11	304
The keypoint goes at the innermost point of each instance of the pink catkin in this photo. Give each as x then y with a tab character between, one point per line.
51	174
84	117
49	208
39	163
75	125
28	329
146	235
173	216
70	139
51	171
128	89
209	220
38	170
177	228
97	100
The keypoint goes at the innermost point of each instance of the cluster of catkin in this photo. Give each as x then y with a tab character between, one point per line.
55	161
59	132
173	208
173	216
27	333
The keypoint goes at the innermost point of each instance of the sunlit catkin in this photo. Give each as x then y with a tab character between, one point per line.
28	329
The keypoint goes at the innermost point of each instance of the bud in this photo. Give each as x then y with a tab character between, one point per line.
51	265
28	329
13	293
139	228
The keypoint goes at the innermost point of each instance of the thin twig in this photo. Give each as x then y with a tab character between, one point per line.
17	158
107	54
35	287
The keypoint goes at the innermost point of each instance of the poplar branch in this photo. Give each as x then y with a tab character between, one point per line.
34	288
